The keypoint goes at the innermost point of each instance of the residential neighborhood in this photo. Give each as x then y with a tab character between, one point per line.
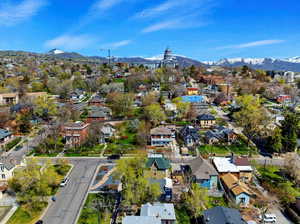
166	139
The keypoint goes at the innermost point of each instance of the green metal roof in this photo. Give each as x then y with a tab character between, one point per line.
161	163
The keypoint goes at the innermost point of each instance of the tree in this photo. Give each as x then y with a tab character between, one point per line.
155	114
275	141
45	107
142	133
252	116
182	107
136	187
196	200
33	184
290	127
121	104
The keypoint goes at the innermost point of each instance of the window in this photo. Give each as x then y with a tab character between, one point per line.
2	168
242	200
3	176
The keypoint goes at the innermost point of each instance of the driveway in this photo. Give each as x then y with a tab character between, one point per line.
281	219
70	198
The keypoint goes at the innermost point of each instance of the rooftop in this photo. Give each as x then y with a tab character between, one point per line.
225	165
141	219
161	131
164	211
222	215
202	169
235	185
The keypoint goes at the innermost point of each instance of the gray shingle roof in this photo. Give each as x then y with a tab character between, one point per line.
4	133
202	169
206	117
222	215
141	219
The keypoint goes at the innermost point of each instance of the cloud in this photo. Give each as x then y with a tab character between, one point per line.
150	12
179	23
13	14
105	4
252	44
117	44
71	42
181	14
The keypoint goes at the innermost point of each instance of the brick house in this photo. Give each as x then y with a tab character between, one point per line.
96	116
75	133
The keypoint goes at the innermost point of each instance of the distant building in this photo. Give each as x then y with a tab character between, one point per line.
5	136
6	169
158	165
192	91
168	60
13	98
189	135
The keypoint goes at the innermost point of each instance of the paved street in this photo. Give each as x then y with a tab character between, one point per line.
268	161
70	198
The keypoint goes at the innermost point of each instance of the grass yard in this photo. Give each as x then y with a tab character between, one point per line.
223	150
23	217
213	202
85	151
89	215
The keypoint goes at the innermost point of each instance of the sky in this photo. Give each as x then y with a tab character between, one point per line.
200	29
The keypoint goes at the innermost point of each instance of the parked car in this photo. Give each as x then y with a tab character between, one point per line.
268	218
266	154
114	157
39	222
64	182
19	147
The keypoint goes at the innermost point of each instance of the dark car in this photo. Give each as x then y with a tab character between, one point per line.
114	157
39	222
19	147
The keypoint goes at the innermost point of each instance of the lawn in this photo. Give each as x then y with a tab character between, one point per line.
213	202
90	215
23	217
12	143
85	151
222	150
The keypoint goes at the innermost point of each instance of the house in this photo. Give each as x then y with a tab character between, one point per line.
239	167
96	116
189	135
9	98
157	213
158	165
106	110
192	91
236	190
96	101
5	136
222	99
107	131
77	95
220	134
222	215
75	133
164	211
205	120
194	99
6	169
204	173
161	136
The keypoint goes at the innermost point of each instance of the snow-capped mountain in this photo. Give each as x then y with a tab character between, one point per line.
287	64
56	51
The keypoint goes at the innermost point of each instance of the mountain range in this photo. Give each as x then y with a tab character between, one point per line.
287	64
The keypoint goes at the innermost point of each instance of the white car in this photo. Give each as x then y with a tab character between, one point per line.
64	182
268	218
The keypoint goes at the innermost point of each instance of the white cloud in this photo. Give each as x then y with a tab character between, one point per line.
118	44
12	14
171	24
71	42
252	44
170	4
106	4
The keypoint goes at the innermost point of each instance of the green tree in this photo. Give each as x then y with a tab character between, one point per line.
45	107
275	141
136	187
290	127
252	116
121	104
182	107
155	114
196	200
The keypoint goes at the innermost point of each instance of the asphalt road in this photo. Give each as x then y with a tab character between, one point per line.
69	199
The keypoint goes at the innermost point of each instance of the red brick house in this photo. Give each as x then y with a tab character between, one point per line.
97	101
75	133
